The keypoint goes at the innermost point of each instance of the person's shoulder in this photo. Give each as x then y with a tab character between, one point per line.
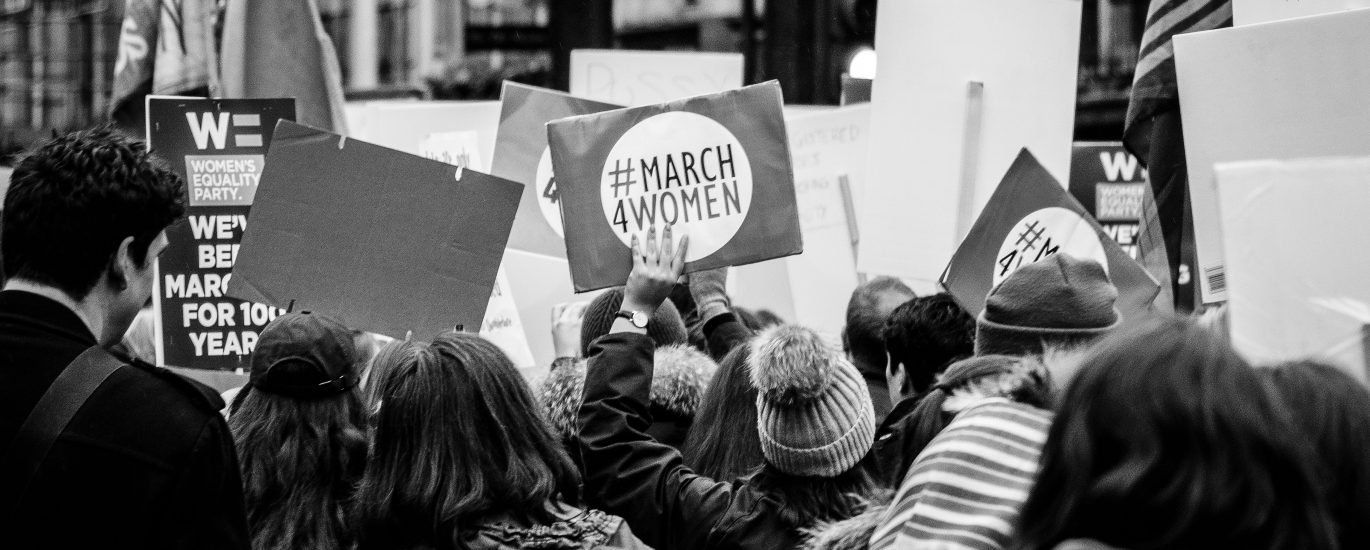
174	389
998	412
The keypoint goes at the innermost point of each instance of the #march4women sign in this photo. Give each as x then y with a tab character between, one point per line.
714	167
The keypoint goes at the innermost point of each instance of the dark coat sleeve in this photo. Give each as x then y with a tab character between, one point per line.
724	332
207	509
629	474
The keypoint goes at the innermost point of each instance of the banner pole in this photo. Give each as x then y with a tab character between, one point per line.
970	158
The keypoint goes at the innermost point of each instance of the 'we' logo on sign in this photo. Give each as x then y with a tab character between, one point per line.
212	129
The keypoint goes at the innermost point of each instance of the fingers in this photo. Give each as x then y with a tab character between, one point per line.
653	252
678	259
667	246
638	258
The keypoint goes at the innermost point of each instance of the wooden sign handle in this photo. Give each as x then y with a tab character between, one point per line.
970	158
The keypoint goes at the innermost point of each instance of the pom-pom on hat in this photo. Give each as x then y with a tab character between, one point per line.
1060	297
814	413
304	356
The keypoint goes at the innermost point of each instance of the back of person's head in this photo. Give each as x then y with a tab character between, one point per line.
924	336
816	423
863	337
679	379
1166	438
757	320
457	437
72	203
299	426
665	328
1332	410
723	443
1058	302
965	383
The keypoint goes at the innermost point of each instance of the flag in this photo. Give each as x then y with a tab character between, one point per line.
1153	130
278	48
166	47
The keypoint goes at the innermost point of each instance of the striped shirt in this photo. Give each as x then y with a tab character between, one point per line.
966	488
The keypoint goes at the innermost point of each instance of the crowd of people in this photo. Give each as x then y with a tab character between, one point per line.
672	419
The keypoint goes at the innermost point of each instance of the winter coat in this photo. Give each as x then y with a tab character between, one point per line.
575	529
681	375
629	474
848	534
146	462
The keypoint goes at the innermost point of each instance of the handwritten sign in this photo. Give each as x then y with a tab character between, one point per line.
635	78
460	148
503	326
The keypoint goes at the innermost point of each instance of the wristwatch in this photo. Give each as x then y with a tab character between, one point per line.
637	318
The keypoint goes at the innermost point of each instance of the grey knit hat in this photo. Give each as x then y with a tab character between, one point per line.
814	413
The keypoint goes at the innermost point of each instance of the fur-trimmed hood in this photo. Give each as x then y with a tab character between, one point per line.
849	534
680	375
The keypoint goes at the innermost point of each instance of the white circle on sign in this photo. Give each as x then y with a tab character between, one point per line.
1045	233
680	169
549	199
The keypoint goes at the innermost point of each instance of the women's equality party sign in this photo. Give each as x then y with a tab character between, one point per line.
714	167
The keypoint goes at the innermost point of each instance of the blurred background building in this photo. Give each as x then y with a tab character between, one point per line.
57	56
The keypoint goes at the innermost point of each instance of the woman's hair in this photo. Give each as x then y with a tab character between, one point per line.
1017	378
807	501
1332	410
300	462
723	443
457	438
1166	438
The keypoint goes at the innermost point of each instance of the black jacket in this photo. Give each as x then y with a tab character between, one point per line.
629	474
146	463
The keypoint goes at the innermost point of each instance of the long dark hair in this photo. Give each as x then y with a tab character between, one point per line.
1166	438
811	500
1016	378
723	443
457	439
300	462
1332	410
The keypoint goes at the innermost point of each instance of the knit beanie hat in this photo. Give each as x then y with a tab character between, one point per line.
666	327
814	413
1057	298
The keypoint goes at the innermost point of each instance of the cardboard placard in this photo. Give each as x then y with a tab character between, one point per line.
1111	184
504	327
522	155
637	78
855	90
1030	218
1281	90
387	241
1295	290
538	284
1023	54
1250	12
715	167
219	147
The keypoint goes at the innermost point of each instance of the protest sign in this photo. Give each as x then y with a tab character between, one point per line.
1111	184
716	168
460	148
538	284
963	86
522	155
386	241
503	326
637	78
1235	109
1250	12
219	147
855	90
404	125
1295	289
1030	218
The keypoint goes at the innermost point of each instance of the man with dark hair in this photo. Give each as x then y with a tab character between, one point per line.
863	336
923	336
101	451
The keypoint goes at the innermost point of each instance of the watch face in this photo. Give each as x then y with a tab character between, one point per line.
640	319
